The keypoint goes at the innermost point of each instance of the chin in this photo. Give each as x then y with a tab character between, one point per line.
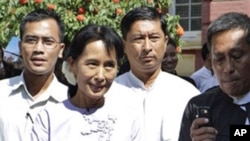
99	94
235	89
234	93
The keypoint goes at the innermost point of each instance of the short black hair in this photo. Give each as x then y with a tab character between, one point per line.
204	51
229	21
141	13
43	14
172	42
96	32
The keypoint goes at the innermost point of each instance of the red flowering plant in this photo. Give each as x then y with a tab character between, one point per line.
77	13
175	31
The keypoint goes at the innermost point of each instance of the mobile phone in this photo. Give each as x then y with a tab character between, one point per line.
204	112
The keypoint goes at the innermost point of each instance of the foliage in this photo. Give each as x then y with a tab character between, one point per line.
77	13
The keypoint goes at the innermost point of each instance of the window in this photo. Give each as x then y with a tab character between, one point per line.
190	14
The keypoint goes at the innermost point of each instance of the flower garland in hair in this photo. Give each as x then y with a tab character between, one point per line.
68	74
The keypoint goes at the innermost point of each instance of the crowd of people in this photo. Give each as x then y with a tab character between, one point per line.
82	91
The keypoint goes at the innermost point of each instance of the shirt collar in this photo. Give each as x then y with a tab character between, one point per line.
243	100
57	90
135	81
138	83
16	82
54	90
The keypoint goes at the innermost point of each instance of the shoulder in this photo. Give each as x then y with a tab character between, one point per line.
198	72
119	93
10	81
128	79
176	81
207	98
121	97
7	86
189	79
58	90
57	84
122	77
52	111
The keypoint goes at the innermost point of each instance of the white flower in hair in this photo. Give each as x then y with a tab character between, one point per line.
68	74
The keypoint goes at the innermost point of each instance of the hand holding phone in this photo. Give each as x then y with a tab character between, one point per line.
204	112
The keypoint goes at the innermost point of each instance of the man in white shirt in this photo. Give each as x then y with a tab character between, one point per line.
204	78
161	96
22	97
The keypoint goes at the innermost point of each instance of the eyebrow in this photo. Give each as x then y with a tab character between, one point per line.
43	37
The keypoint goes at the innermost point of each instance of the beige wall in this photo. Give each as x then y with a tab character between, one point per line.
186	64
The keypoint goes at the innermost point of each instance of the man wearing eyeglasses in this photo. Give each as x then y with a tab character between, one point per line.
22	97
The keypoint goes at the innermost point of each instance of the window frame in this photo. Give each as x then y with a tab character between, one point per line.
192	39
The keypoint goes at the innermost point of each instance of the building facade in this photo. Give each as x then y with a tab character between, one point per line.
195	17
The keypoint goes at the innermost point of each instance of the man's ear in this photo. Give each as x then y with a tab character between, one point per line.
62	47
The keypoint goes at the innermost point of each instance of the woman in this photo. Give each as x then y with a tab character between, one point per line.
170	61
91	67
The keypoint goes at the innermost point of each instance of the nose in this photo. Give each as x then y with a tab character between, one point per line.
147	45
39	45
100	74
168	58
229	66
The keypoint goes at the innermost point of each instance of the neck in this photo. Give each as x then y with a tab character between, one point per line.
147	78
82	101
37	84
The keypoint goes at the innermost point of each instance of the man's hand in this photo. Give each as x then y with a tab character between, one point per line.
202	133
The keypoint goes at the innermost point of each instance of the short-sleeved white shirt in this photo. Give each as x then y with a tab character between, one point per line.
18	109
204	79
162	104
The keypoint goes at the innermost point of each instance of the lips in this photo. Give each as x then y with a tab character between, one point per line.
230	82
38	60
230	79
97	88
147	58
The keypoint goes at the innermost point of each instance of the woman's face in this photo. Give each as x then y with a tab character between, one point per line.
170	59
95	70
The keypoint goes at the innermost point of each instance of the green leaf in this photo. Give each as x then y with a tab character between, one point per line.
96	11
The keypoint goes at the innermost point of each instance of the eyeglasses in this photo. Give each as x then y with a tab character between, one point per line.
48	42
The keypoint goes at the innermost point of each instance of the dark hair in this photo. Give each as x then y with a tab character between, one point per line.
42	14
141	13
1	53
204	51
90	33
228	21
172	42
96	32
